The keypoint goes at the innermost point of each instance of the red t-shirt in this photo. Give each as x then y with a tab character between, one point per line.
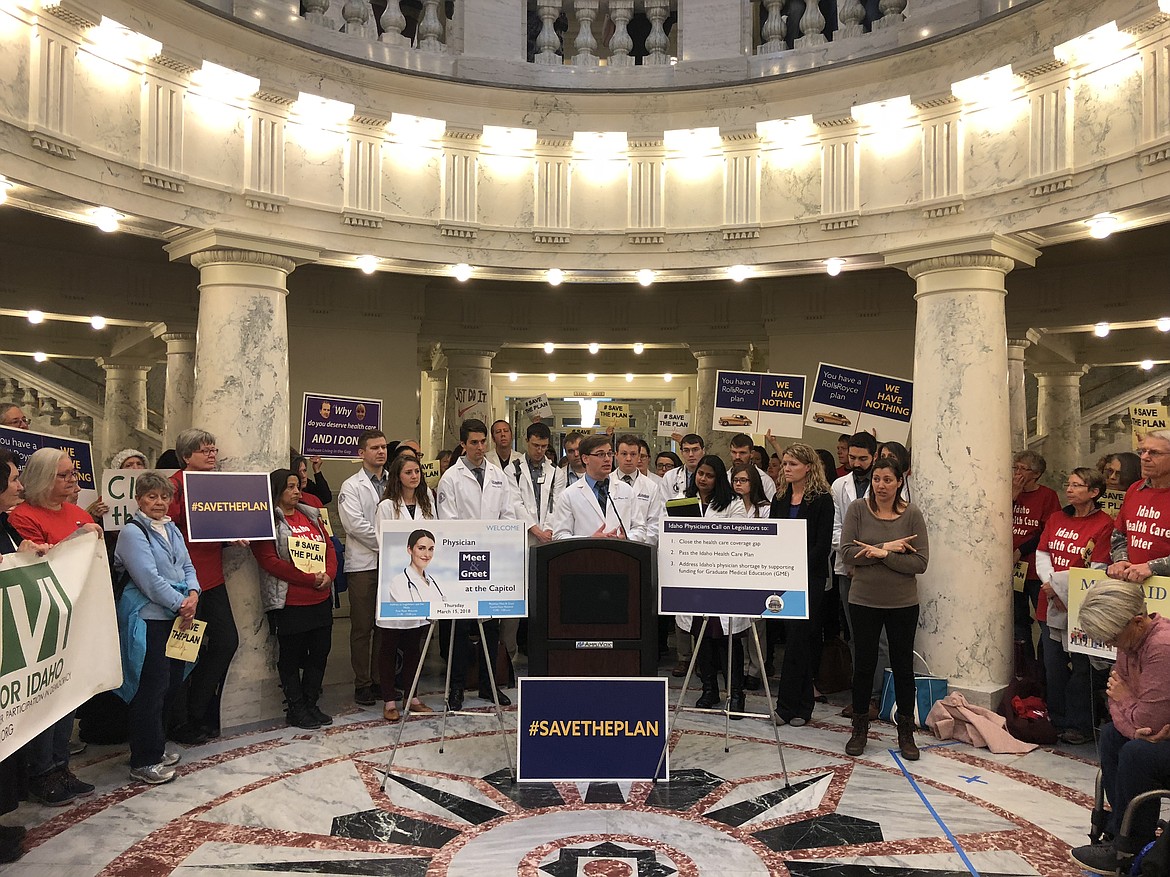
1065	539
1145	520
47	525
1030	512
206	557
301	585
309	499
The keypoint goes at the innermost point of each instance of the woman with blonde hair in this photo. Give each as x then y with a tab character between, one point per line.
804	495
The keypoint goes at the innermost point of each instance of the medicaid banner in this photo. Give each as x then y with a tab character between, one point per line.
755	402
1156	589
331	425
58	636
118	494
226	506
25	442
591	730
451	569
845	400
733	566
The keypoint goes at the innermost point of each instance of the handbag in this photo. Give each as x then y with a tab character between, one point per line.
836	670
928	690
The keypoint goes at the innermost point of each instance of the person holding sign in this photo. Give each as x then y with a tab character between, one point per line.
162	587
1032	505
884	542
296	582
1141	540
1135	756
1122	470
806	496
406	497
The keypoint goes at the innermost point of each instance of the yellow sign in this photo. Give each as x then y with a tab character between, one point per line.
1111	502
1144	419
615	414
308	555
430	472
1019	576
1156	589
323	517
183	645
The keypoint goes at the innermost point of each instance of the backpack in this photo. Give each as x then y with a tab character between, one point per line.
122	580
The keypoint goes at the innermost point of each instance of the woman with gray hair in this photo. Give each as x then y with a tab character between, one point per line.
47	517
1133	756
162	586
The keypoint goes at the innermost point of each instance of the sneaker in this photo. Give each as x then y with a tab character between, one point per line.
1101	859
50	789
153	774
798	721
76	747
172	756
80	788
1073	737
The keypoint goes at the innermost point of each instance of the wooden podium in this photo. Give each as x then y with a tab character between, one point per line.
592	609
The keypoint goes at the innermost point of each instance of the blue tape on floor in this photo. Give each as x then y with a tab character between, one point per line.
914	785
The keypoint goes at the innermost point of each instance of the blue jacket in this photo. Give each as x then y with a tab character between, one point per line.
160	569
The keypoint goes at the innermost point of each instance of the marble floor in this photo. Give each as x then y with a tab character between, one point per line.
280	800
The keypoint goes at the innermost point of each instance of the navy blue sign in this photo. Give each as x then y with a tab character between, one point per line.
839	387
597	730
25	442
739	390
331	425
224	506
474	565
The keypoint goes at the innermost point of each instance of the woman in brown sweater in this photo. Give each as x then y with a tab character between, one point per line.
883	540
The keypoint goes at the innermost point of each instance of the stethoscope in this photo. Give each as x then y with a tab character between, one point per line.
411	587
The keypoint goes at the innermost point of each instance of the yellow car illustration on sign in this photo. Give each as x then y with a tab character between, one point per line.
835	417
735	420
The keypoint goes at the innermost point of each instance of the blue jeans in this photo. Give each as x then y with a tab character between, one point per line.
1069	684
1128	768
49	750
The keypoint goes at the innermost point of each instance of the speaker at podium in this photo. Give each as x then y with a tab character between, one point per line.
593	609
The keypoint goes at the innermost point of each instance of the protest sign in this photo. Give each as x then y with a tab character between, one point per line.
225	506
846	400
670	422
1110	502
537	406
25	442
308	555
615	414
431	473
331	425
1156	589
453	569
756	568
118	494
1144	419
471	403
183	644
58	636
755	402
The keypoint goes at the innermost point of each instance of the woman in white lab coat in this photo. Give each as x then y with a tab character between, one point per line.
407	498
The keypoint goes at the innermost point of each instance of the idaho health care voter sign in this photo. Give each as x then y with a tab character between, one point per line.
225	506
845	400
451	569
331	425
591	730
25	442
757	402
733	566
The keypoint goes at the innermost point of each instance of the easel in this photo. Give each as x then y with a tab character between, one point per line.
726	711
446	692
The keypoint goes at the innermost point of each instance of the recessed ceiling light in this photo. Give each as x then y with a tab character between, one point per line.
35	317
629	377
833	266
552	377
1101	330
549	347
554	276
1147	364
739	273
368	264
594	347
1102	225
97	322
668	377
105	218
39	356
591	377
1163	324
645	276
639	347
462	272
512	376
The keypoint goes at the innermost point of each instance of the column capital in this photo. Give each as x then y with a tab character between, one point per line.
110	363
994	251
1048	372
213	246
179	342
1022	343
740	350
456	352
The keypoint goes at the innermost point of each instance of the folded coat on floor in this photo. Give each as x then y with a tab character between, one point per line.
953	718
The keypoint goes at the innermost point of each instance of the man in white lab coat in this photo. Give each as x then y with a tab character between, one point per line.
647	494
741	452
474	489
595	507
676	481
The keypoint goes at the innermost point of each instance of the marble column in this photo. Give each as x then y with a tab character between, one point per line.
437	378
1017	403
180	389
469	389
1058	419
242	398
125	408
962	456
710	361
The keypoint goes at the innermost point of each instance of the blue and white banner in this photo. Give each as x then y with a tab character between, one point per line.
845	400
452	569
591	730
331	425
25	442
225	506
755	402
733	566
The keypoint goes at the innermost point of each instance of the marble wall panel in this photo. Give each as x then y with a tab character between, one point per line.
1108	112
213	141
598	195
506	191
694	193
790	183
14	68
313	160
890	172
410	181
996	144
106	107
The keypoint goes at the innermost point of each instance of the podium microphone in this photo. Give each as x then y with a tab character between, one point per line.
603	486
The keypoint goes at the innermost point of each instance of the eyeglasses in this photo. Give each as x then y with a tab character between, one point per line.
601	454
1072	484
1150	452
208	452
20	421
71	475
741	481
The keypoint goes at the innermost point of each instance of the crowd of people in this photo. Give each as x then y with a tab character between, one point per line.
867	542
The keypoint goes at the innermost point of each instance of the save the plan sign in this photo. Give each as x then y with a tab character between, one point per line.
846	400
755	402
226	506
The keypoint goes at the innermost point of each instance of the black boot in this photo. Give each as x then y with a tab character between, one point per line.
906	738
299	715
708	673
859	737
737	683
